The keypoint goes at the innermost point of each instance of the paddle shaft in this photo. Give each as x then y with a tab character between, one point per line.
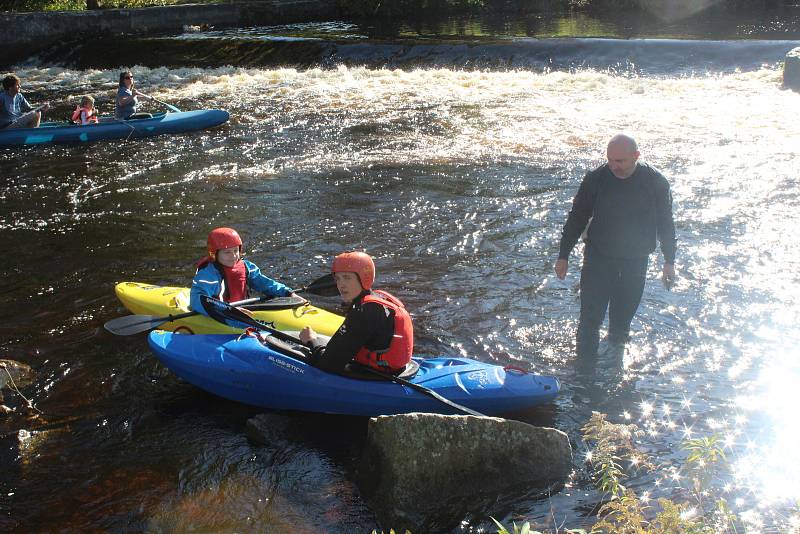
171	318
26	114
168	106
421	389
129	325
135	324
232	313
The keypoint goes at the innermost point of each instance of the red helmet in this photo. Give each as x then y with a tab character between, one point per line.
356	262
220	238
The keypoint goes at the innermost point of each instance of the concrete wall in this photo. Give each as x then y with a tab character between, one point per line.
24	34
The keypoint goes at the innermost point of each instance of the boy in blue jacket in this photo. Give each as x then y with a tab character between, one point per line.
225	276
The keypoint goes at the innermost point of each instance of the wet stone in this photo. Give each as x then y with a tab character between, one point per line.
411	461
14	374
268	428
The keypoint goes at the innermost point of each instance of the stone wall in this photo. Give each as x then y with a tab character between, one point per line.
25	34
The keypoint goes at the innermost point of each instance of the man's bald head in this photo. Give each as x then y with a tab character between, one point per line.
624	141
622	154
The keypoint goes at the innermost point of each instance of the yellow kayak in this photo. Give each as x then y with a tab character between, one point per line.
148	299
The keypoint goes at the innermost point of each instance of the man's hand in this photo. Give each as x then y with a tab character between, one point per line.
668	275
307	335
560	268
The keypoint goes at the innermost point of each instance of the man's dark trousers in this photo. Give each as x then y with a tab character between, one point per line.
605	280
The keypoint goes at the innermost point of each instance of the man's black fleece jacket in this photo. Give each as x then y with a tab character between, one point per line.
628	215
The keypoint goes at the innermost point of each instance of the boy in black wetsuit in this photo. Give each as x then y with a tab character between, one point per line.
377	330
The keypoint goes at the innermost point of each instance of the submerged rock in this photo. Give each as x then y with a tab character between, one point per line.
268	428
791	70
13	375
412	461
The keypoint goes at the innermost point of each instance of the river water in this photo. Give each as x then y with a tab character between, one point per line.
458	182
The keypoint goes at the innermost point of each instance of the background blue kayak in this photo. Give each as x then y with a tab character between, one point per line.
107	128
246	370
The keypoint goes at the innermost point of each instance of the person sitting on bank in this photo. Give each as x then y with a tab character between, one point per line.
85	113
127	97
15	110
377	330
225	276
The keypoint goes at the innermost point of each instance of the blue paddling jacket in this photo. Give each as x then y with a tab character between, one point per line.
210	281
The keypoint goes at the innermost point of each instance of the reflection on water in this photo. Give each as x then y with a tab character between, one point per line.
458	183
695	20
288	32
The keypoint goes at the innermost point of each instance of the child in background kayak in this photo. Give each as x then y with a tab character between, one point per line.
224	275
377	329
85	113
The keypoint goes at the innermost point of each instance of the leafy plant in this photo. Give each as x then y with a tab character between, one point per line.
627	515
526	529
706	458
612	441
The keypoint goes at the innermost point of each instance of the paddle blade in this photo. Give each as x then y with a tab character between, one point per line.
324	286
129	325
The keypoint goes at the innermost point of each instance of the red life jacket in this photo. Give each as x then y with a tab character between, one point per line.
234	280
398	354
91	115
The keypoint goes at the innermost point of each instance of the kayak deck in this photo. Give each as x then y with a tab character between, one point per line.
246	370
149	299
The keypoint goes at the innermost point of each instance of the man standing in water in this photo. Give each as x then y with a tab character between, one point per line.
630	206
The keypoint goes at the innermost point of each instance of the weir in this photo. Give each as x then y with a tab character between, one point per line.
619	55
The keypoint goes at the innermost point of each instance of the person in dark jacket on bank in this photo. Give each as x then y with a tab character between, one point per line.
627	206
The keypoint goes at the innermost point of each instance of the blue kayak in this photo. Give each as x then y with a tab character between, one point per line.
270	374
110	128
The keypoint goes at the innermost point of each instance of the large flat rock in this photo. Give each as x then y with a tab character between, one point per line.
413	463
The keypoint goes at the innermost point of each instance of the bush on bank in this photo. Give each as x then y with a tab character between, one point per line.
23	6
698	508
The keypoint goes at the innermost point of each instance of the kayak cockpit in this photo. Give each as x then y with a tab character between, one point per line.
303	354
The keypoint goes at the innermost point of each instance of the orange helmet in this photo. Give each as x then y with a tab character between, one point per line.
356	262
220	238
